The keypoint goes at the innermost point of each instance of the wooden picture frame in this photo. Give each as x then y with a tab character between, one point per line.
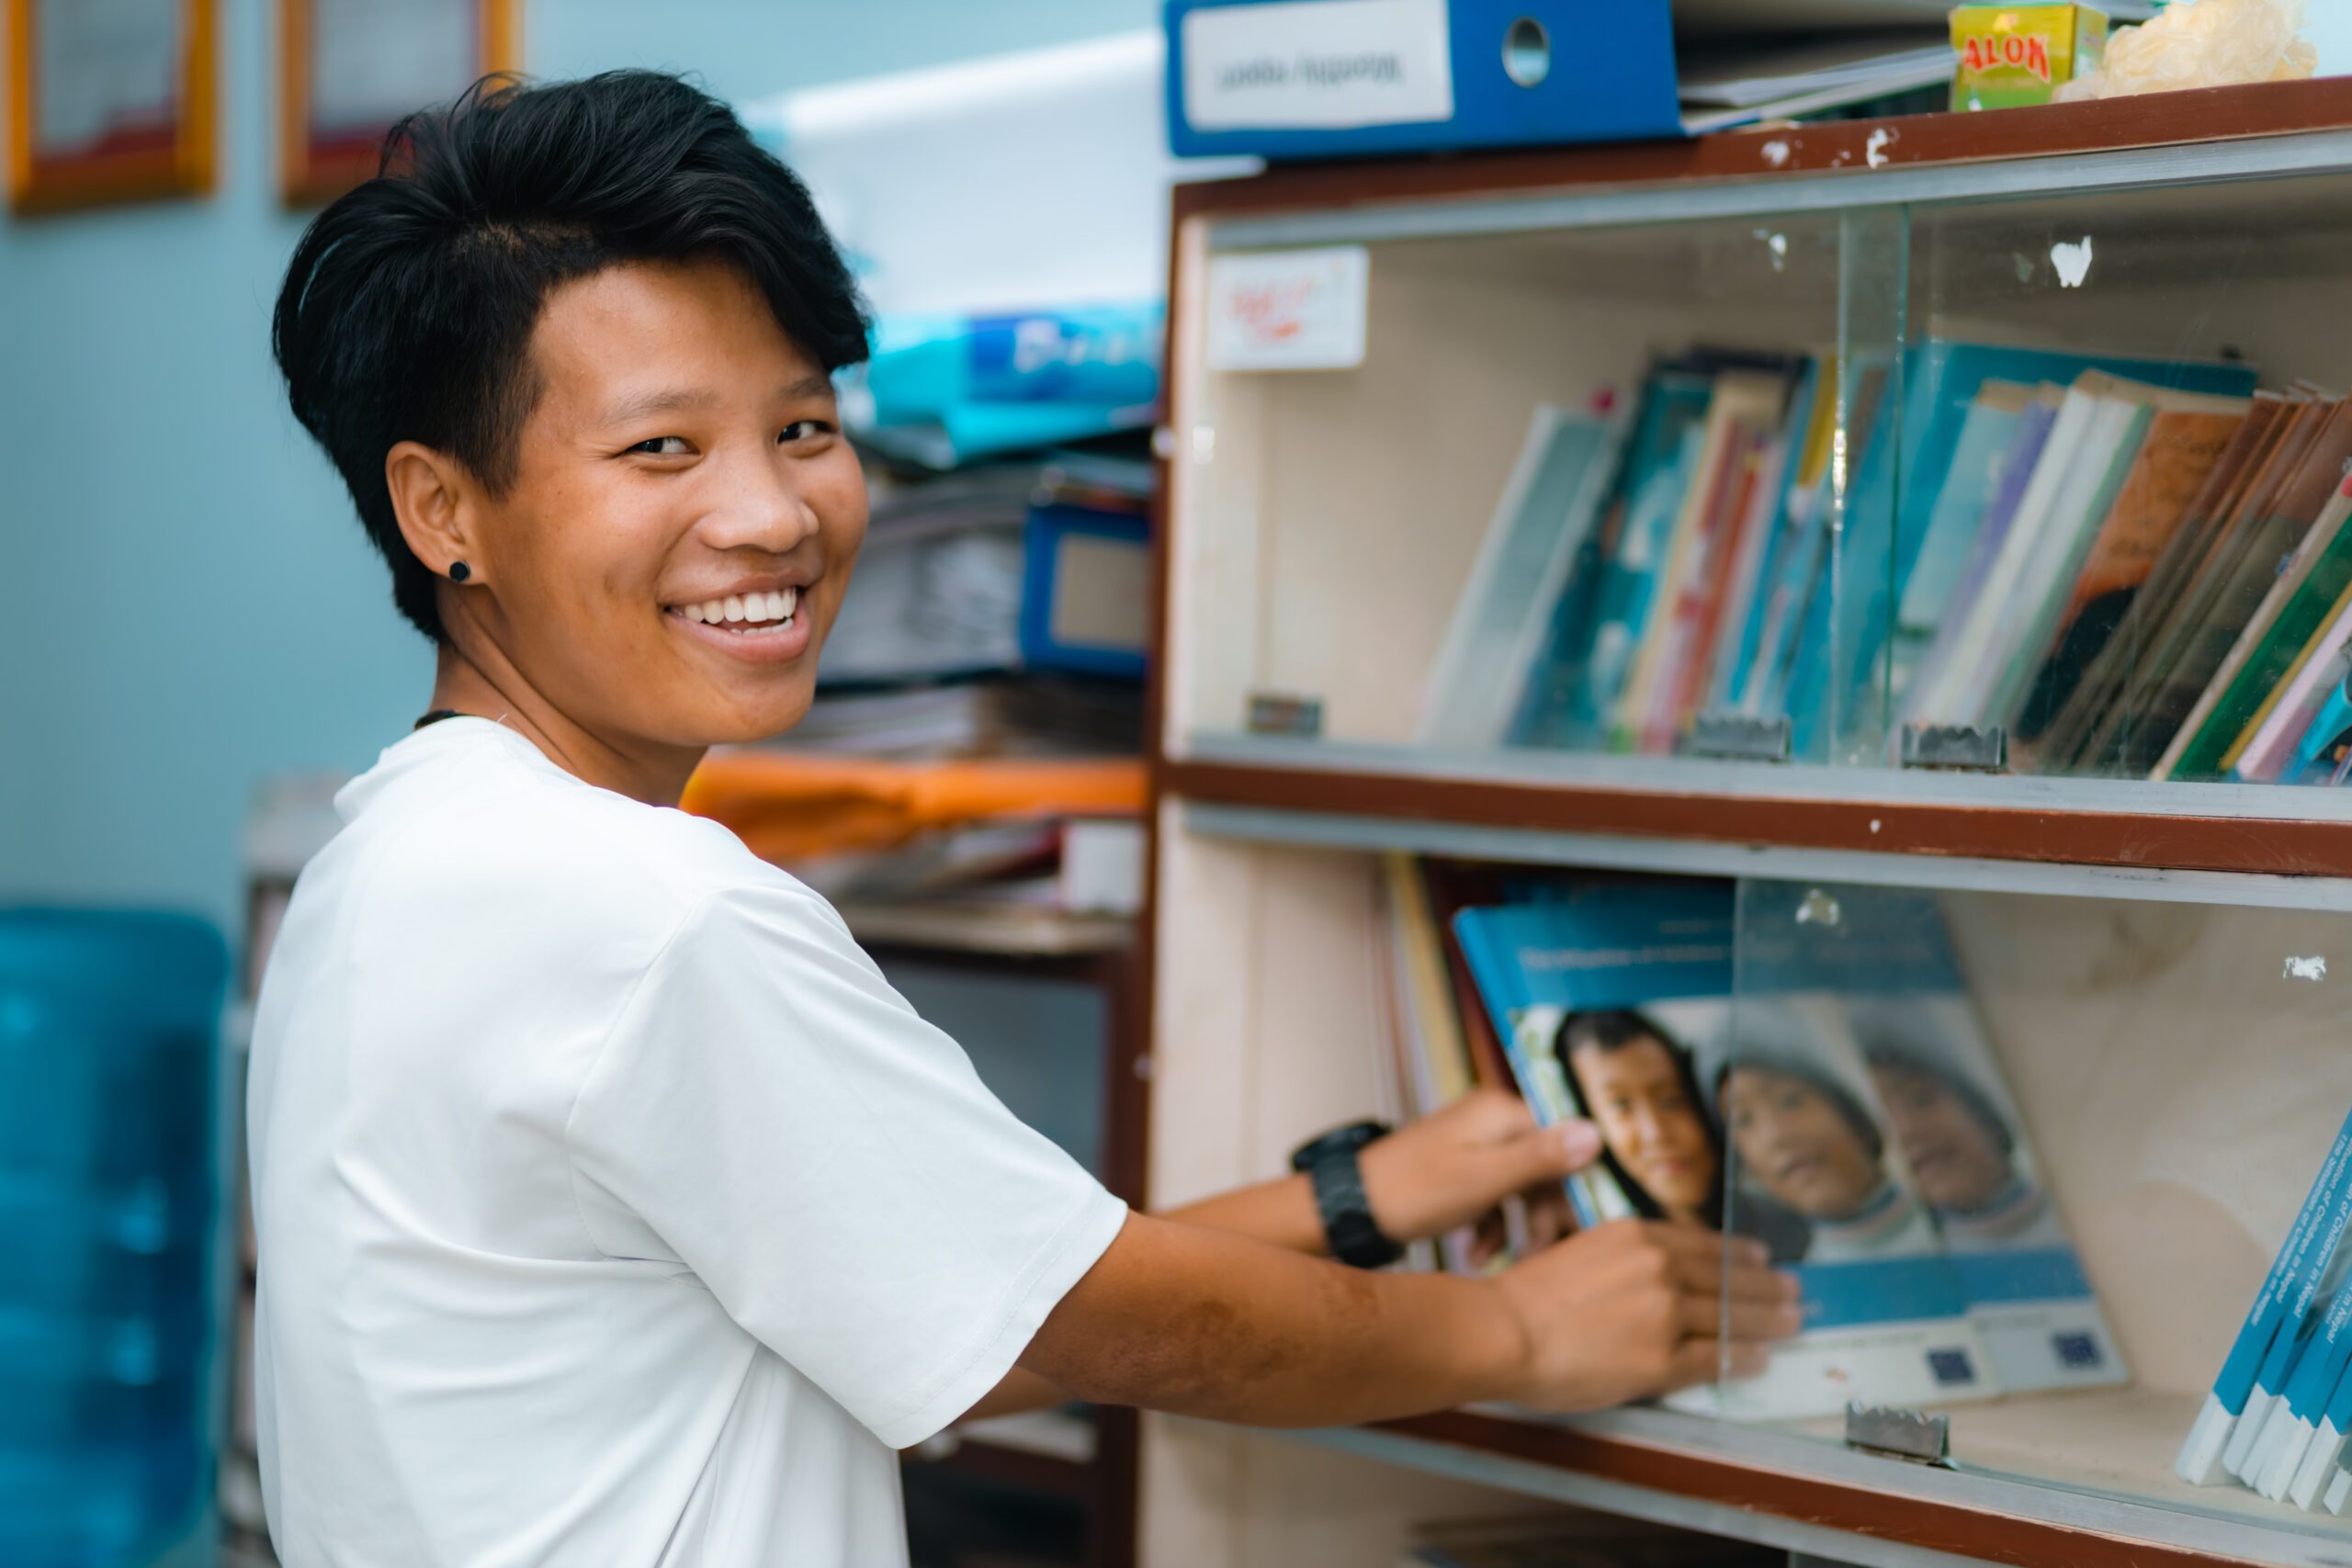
349	70
110	101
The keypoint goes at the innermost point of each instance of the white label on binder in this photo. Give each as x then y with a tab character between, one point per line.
1318	64
1288	309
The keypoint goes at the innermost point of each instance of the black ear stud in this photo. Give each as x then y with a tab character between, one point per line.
459	571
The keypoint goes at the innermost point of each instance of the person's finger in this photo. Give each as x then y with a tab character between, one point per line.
1740	1249
1534	1155
1489	1114
1695	1360
1758	1283
1741	1321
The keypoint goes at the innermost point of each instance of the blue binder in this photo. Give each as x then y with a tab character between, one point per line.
1517	73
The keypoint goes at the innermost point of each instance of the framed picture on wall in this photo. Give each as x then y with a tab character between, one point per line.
109	100
349	70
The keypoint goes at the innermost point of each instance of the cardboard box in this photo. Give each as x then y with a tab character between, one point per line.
2011	52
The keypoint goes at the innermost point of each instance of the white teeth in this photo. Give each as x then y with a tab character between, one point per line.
772	608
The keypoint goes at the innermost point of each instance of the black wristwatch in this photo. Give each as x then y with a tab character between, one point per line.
1332	1163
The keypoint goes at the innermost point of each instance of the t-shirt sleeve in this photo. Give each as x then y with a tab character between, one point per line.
829	1165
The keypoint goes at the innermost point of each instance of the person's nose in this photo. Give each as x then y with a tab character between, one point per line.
762	507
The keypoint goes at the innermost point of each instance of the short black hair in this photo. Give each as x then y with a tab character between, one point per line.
407	312
1841	1098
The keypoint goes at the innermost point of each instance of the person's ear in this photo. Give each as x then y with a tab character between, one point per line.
432	495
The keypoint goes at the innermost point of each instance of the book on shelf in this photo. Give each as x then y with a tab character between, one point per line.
1549	505
2250	1376
1751	1111
2127	567
1889	959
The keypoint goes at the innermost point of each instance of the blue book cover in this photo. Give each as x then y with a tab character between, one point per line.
2235	1396
1889	959
1738	650
2294	1420
1596	622
1953	526
1887	522
2326	743
2301	1300
2321	1478
1727	1108
1919	701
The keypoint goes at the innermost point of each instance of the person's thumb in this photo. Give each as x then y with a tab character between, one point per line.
1546	1153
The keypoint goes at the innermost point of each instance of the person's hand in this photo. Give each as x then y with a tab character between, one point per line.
1636	1308
1451	1168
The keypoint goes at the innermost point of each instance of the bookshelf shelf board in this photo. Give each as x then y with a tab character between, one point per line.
1692	857
1785	1487
2257	830
1006	931
1879	152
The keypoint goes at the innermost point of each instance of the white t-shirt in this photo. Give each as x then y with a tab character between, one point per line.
613	1208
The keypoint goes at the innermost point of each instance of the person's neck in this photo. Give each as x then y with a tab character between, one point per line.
490	688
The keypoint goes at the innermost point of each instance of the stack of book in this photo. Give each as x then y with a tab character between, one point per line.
2118	567
2279	1412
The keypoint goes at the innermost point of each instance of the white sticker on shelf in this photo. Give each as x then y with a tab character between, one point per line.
1317	65
1288	309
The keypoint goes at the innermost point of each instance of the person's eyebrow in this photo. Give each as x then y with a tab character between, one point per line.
675	399
659	400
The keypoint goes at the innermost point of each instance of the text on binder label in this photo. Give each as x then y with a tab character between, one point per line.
1318	64
1288	309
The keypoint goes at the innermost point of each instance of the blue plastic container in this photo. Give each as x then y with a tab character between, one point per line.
109	1028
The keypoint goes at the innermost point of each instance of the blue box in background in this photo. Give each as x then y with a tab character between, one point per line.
1336	78
1085	595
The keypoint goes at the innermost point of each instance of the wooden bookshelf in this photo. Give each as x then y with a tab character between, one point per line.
1313	537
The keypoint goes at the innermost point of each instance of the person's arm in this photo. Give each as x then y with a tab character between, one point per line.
1447	1169
1204	1323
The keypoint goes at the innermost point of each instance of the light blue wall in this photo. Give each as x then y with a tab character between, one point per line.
186	605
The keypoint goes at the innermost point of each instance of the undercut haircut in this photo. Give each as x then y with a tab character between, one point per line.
408	308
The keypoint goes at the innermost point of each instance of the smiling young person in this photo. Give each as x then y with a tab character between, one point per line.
612	1209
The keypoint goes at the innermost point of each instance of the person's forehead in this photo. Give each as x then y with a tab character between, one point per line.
674	331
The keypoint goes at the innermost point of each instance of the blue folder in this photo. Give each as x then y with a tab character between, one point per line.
1608	75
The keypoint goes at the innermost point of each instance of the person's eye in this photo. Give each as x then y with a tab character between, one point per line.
661	446
803	430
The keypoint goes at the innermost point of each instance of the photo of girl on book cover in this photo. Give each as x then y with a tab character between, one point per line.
1640	1087
1807	1138
1955	1131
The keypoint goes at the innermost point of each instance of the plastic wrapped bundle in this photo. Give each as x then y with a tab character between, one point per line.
2214	43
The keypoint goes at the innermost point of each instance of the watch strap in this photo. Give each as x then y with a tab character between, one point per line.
1355	1237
